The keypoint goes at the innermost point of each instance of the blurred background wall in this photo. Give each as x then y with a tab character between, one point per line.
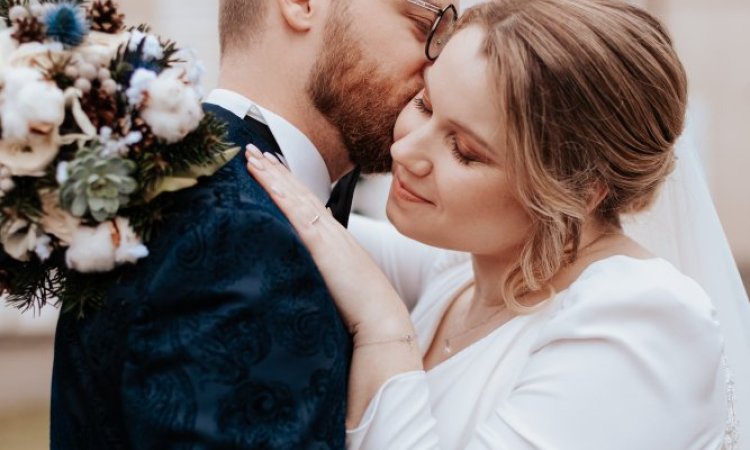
712	38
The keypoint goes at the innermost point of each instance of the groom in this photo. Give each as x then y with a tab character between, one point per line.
226	337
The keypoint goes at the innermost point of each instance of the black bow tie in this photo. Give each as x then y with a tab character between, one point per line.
342	194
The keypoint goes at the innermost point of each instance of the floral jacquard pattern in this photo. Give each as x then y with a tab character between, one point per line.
225	337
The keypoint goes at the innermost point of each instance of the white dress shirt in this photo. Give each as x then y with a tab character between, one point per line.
300	154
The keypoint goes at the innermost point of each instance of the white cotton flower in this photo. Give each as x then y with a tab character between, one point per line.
173	108
36	10
136	37
133	138
92	250
29	104
105	133
100	48
103	248
194	68
43	247
152	49
139	84
18	12
6	185
6	180
62	174
131	249
31	112
117	146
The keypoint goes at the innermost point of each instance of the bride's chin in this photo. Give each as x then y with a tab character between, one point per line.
407	224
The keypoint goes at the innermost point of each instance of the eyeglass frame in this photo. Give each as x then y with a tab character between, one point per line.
440	12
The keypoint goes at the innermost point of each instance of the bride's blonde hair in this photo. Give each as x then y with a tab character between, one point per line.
592	96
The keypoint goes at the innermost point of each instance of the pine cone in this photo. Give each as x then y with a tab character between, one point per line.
148	139
100	107
105	17
28	29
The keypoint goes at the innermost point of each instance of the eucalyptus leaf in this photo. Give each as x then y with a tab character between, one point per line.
188	178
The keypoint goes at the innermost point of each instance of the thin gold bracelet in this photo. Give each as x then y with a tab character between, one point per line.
409	339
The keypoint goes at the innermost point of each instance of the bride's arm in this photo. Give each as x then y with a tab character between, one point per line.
405	262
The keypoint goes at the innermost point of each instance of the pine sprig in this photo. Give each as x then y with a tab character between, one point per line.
24	198
83	293
128	61
34	284
197	149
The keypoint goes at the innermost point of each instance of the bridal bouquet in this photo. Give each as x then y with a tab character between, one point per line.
96	122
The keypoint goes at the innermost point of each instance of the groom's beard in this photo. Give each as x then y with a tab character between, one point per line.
348	88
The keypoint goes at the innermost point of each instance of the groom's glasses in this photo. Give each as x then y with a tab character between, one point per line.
441	28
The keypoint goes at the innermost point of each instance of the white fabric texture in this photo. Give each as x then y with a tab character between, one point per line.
684	228
628	357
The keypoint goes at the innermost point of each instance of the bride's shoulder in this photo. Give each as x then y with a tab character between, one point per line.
633	291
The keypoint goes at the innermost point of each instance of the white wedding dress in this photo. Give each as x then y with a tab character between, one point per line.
629	357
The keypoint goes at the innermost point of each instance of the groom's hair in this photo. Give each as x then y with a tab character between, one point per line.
240	22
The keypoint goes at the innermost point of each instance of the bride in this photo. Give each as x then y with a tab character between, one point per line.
542	324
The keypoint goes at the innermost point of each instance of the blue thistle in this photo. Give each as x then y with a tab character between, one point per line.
66	23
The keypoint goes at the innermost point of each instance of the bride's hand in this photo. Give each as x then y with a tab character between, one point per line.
365	298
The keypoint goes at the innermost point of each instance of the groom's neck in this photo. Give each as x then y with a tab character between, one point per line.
277	85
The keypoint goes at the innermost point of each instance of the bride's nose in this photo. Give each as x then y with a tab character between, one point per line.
412	152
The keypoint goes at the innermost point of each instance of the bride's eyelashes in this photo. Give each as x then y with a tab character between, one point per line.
460	156
421	105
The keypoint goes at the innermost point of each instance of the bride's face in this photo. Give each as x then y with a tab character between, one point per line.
451	188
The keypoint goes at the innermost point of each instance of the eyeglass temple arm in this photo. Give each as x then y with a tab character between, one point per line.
426	5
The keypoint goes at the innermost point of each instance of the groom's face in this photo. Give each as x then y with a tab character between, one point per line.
370	67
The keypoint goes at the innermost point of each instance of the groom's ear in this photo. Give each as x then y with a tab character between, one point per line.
301	15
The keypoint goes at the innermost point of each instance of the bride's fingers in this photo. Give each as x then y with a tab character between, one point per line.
303	209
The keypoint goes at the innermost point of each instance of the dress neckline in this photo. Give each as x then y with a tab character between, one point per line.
452	297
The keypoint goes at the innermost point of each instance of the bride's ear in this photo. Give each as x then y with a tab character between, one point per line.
301	15
597	194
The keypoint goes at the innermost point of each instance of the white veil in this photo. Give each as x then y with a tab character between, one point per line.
684	228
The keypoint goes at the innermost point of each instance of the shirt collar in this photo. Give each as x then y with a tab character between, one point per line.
300	154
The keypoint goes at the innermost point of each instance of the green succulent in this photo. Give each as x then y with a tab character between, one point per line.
97	184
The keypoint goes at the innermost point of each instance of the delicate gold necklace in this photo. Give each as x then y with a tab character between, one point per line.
448	341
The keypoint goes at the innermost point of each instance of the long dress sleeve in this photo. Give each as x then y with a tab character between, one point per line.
406	262
616	367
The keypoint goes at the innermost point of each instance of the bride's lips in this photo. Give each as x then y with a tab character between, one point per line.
405	193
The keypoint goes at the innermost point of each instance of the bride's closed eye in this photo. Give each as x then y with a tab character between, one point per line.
461	156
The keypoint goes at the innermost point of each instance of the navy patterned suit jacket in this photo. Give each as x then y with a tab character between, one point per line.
224	337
